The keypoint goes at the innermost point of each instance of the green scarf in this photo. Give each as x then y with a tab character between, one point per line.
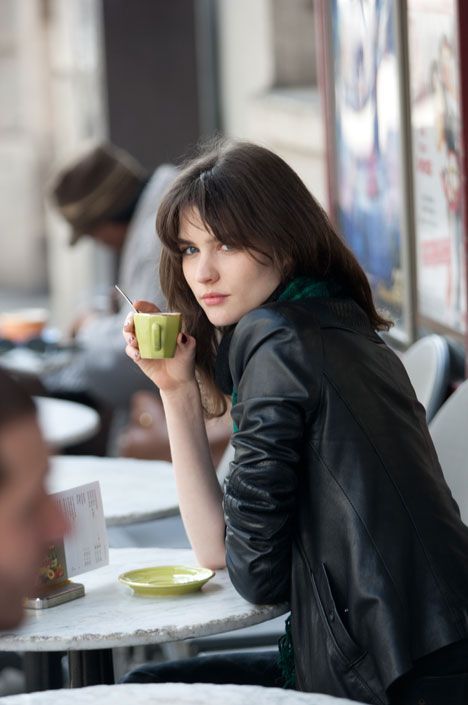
298	289
308	288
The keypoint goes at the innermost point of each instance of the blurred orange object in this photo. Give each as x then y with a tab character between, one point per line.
23	324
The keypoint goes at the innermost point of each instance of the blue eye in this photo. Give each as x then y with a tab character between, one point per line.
189	250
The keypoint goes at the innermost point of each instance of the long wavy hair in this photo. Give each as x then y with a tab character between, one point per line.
249	198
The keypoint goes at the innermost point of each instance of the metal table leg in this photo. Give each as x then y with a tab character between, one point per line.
43	670
94	667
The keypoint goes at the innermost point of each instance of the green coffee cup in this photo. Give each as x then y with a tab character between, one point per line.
157	333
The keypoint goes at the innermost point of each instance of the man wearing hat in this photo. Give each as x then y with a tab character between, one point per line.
107	195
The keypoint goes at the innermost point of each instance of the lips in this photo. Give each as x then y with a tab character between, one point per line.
214	298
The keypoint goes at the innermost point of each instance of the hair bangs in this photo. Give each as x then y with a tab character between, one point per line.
220	209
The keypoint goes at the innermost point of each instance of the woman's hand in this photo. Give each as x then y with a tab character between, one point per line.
168	374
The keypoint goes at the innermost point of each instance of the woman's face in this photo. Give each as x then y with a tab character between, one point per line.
226	282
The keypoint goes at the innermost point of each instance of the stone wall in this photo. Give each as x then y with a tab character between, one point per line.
51	98
22	235
268	82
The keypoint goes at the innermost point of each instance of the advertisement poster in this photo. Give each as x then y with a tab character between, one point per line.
437	159
370	199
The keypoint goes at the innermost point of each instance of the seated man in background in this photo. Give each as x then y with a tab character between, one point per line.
105	194
29	518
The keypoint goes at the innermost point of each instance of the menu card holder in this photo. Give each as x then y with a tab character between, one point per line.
56	595
83	549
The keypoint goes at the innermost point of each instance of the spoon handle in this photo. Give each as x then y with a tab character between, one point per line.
125	297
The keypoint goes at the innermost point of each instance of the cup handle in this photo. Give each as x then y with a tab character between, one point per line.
156	336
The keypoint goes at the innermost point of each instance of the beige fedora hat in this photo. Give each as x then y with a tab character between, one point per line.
95	185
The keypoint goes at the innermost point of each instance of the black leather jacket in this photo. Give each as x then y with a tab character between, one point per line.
336	500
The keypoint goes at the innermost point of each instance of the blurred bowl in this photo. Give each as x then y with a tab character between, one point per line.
19	326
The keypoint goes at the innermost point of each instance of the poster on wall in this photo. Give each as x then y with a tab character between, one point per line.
437	161
369	197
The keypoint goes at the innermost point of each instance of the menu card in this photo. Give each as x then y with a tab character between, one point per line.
85	547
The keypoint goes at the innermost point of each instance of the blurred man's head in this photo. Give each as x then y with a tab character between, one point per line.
97	193
29	518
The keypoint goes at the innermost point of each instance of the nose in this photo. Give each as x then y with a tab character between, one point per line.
206	269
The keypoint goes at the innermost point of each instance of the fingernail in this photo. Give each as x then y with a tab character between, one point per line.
137	355
131	339
183	338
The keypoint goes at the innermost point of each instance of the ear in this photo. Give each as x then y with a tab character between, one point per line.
287	269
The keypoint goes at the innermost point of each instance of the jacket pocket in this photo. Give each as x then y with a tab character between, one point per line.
342	667
357	665
347	648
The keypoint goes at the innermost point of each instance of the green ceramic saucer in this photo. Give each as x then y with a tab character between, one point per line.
166	579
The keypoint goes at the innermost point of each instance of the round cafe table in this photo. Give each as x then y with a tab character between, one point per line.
64	423
110	615
132	490
175	694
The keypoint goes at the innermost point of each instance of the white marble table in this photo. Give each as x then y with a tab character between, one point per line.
26	361
132	490
110	615
175	694
65	422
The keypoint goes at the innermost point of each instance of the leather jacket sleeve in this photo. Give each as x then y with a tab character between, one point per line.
275	397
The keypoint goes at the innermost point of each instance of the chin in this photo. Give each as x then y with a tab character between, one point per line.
11	615
222	318
11	601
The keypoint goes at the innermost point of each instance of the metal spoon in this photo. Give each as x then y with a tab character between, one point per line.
125	297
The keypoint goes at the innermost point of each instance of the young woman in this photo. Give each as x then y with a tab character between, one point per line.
335	500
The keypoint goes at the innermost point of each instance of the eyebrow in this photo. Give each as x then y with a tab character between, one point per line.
183	241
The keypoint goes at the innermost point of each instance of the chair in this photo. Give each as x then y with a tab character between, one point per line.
449	431
427	363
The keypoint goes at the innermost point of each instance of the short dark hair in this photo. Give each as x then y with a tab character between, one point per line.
251	199
15	404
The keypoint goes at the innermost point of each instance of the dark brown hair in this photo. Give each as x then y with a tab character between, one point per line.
15	403
251	199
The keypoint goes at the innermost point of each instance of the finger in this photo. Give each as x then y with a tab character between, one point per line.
133	353
128	330
128	323
145	306
131	340
185	341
